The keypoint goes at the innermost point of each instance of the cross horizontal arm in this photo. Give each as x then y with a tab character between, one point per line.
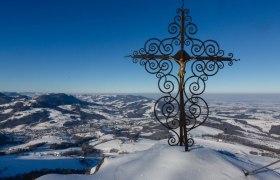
150	57
212	58
165	57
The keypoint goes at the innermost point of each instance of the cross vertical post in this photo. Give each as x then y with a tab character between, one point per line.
183	129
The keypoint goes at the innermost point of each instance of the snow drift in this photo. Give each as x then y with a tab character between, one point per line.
164	162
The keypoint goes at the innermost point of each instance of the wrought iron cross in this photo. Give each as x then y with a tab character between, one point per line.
182	109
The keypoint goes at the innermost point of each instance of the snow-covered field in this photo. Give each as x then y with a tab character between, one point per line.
203	162
240	134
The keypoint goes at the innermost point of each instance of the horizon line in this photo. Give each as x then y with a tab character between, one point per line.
57	92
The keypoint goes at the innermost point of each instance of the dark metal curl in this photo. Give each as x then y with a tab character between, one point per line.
166	111
196	85
197	112
167	84
190	142
173	139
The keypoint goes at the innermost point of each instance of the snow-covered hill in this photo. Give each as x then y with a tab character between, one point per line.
203	162
61	110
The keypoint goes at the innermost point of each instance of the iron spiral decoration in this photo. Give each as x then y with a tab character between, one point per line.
181	106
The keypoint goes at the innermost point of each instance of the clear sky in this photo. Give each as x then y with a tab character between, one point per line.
79	45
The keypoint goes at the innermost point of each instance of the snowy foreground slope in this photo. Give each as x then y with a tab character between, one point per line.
208	161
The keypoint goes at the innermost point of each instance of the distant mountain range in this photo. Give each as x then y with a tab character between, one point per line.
55	100
57	110
7	97
52	113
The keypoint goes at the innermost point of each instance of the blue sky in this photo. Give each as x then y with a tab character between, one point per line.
79	46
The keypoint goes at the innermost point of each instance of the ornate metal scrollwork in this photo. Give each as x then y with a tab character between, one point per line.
181	107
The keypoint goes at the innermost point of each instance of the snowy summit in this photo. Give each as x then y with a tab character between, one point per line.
171	163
